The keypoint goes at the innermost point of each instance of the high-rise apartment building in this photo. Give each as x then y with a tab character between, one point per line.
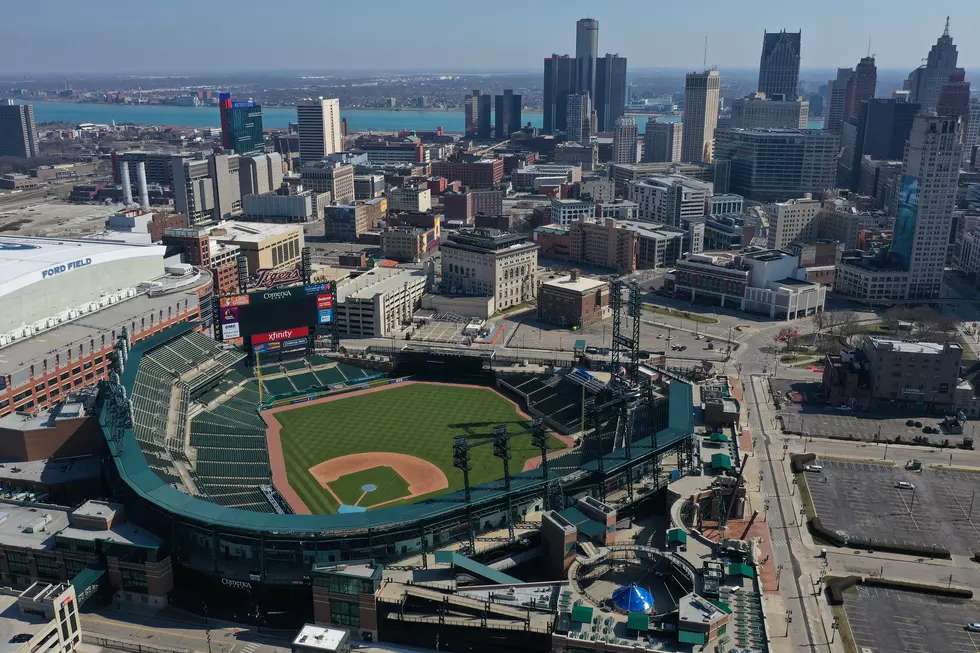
626	138
837	101
476	112
241	125
559	82
860	87
318	124
779	66
773	165
701	93
609	99
578	112
330	177
207	187
759	111
662	141
971	136
883	126
586	53
507	114
793	221
925	82
926	199
18	131
673	200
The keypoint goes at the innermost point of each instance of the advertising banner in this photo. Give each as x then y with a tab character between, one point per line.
324	301
284	334
325	316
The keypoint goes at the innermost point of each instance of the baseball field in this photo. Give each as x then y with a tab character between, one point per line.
392	445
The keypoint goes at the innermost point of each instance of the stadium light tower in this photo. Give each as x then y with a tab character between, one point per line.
461	461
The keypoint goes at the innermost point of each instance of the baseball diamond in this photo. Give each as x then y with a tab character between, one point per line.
373	436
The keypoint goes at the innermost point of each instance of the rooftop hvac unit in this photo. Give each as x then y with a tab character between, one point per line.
4	339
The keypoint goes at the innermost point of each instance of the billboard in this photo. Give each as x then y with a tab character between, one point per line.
276	309
905	221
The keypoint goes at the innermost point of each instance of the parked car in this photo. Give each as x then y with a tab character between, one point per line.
904	485
813	468
974	626
843	407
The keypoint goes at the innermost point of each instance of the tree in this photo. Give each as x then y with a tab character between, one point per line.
847	324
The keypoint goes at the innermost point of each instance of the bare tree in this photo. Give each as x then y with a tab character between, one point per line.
819	320
847	324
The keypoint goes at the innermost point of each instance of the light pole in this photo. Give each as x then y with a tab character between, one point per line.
789	620
779	570
969	516
833	629
912	502
795	483
885	457
802	519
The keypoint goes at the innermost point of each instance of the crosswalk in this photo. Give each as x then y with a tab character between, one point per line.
795	541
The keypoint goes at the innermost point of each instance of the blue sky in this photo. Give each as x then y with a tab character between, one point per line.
186	36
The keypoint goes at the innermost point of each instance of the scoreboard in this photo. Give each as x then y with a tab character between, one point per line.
276	310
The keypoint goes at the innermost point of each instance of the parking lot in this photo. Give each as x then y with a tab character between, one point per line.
898	621
814	418
861	500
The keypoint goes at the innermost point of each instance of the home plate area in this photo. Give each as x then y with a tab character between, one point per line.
368	480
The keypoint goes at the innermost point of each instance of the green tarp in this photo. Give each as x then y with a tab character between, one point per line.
739	569
582	614
638	621
688	637
719	437
676	535
721	605
721	461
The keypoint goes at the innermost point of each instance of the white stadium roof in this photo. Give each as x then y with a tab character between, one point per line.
26	260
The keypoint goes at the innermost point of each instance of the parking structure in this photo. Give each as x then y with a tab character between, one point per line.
902	621
861	500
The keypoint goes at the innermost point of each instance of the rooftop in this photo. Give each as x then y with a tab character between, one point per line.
30	526
582	284
98	509
377	281
249	232
15	622
51	472
91	326
120	534
48	419
318	637
910	347
25	260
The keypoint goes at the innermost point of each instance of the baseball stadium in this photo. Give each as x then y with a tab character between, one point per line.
263	459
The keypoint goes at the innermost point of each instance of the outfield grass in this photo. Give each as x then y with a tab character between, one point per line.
390	486
418	420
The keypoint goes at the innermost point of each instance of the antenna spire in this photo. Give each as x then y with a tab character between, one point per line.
706	52
869	46
946	31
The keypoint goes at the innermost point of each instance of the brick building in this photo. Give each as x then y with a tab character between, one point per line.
573	301
476	174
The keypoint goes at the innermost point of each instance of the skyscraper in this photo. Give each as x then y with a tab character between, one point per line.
701	91
779	67
318	124
609	99
883	126
586	53
507	114
954	97
926	198
18	132
484	109
626	137
838	100
860	87
578	113
471	112
241	125
559	81
925	82
662	141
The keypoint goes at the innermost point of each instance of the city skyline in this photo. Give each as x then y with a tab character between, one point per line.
733	38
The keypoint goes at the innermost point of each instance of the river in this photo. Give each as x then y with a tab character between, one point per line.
385	120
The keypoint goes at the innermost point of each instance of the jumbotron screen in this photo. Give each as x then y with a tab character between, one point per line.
276	309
